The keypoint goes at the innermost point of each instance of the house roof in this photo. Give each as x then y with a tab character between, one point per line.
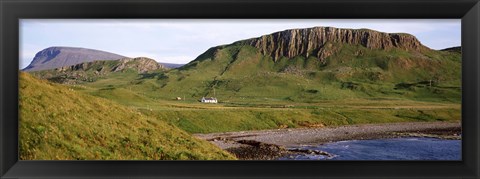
209	98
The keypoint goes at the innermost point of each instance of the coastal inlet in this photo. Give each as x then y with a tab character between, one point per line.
404	148
397	141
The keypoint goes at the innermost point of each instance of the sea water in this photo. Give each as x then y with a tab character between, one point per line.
412	148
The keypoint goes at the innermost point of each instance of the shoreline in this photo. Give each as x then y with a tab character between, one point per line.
272	144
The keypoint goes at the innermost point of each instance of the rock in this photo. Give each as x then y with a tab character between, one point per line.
141	64
294	42
283	126
90	71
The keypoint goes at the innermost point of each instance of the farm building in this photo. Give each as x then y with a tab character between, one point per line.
209	100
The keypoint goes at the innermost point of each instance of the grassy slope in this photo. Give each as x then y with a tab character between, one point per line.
57	122
240	72
241	119
89	72
254	92
355	85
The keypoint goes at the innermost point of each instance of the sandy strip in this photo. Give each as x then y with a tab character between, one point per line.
315	136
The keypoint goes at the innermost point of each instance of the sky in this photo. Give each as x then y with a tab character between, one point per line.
182	40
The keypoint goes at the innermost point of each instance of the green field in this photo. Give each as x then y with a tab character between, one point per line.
255	93
131	115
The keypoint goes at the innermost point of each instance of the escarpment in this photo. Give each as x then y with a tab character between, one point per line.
311	41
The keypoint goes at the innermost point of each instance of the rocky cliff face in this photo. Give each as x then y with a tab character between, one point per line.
55	57
140	64
311	41
91	71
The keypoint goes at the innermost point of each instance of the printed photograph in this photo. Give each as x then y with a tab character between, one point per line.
240	89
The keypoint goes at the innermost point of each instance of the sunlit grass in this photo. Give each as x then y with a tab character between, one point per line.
58	123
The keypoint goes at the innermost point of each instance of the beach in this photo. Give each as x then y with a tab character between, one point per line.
271	144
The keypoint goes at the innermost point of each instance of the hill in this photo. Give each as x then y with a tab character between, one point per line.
321	63
453	49
55	57
319	76
172	65
58	123
91	71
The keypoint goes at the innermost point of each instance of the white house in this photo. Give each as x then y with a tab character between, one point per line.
209	100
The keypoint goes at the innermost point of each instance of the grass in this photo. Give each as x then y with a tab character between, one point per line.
239	73
197	118
257	93
59	123
139	116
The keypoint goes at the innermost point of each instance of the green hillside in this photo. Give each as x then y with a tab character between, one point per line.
59	123
92	71
257	93
241	72
268	83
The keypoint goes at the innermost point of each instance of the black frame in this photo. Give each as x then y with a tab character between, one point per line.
11	11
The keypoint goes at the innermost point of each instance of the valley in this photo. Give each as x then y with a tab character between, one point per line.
301	78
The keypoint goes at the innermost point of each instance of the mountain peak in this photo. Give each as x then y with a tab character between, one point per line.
57	56
310	41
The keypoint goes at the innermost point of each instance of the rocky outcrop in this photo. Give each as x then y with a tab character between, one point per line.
311	41
91	71
140	64
56	57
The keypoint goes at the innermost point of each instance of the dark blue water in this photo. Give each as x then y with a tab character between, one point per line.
387	149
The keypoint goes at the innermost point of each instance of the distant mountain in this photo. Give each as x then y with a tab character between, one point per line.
55	57
90	71
171	65
457	49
